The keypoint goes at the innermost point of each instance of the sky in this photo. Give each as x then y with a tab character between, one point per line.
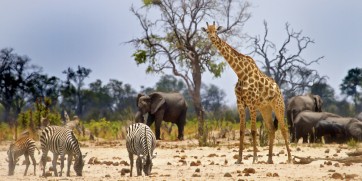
92	33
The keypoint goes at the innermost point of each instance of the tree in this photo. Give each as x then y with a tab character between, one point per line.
213	98
43	87
286	64
72	89
123	95
172	41
15	74
352	84
169	83
97	101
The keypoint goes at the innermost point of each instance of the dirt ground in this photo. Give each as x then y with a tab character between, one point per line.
184	160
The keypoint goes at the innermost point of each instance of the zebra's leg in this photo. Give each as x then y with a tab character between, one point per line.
27	163
139	166
43	160
61	164
131	161
70	156
55	158
34	162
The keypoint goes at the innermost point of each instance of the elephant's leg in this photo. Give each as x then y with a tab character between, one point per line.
158	129
266	113
181	124
241	109
150	119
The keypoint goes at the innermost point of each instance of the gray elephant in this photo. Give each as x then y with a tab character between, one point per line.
354	129
359	116
306	121
298	104
332	129
160	106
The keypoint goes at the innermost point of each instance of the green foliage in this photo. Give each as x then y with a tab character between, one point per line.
107	129
6	133
216	68
140	56
352	143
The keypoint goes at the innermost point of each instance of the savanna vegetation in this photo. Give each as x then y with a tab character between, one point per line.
180	55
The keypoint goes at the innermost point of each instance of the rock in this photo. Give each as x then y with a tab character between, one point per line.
225	162
298	149
350	176
337	176
327	163
281	152
196	175
168	163
227	175
212	155
125	170
326	151
275	175
335	155
247	174
212	163
321	165
115	163
269	174
107	176
48	174
347	164
51	168
91	160
124	163
195	164
249	170
336	164
197	170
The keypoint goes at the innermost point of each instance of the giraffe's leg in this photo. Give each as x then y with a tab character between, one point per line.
241	109
266	112
279	113
252	111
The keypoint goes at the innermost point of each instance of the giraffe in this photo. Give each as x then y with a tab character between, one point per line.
255	91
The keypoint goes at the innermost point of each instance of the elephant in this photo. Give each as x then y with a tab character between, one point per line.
354	129
359	116
332	130
298	104
306	121
161	106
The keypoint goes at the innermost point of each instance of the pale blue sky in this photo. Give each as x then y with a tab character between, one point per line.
61	34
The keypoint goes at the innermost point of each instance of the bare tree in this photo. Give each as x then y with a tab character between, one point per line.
172	42
285	64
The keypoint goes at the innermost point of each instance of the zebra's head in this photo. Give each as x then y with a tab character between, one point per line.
147	163
11	159
79	164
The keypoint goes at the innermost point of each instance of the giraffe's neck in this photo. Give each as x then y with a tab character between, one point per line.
241	64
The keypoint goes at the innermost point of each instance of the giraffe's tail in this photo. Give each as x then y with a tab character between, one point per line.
275	123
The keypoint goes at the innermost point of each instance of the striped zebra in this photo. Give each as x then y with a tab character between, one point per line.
141	141
23	146
61	141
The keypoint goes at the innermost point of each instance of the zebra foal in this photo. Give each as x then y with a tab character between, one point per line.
141	141
23	146
61	141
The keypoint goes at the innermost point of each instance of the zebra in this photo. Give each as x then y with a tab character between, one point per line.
141	141
23	146
61	141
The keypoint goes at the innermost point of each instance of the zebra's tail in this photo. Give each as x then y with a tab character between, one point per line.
148	149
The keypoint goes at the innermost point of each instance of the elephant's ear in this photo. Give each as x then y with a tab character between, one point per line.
157	100
318	103
138	98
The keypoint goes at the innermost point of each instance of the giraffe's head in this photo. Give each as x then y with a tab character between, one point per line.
211	30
